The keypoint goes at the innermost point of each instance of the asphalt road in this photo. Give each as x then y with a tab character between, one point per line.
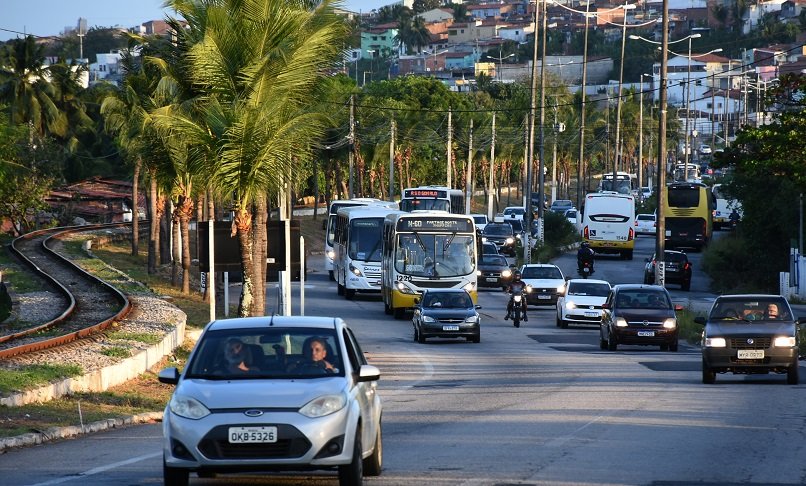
533	405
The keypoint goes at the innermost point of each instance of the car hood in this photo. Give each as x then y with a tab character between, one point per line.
438	313
248	393
744	328
632	315
585	300
544	282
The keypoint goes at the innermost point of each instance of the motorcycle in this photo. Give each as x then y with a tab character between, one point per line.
585	269
518	302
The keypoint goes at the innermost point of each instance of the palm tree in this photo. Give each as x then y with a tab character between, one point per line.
257	64
420	35
24	87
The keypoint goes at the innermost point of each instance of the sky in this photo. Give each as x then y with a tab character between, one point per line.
50	17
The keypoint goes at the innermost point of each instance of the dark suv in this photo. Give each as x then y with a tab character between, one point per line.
502	235
677	269
747	334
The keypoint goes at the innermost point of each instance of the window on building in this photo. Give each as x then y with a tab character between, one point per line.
708	106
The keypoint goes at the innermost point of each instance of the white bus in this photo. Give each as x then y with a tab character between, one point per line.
426	249
625	183
429	198
693	172
608	221
330	224
357	245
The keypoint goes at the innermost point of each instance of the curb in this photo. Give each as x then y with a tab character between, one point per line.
55	433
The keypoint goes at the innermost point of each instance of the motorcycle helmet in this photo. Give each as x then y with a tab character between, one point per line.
516	275
585	244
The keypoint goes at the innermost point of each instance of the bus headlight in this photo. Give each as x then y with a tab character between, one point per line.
403	288
484	239
331	254
356	271
469	287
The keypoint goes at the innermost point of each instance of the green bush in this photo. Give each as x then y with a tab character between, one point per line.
559	233
727	261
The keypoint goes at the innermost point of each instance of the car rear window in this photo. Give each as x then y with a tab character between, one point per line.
646	217
676	257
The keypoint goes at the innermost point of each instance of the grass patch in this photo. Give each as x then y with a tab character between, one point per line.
142	337
117	352
690	331
35	375
20	280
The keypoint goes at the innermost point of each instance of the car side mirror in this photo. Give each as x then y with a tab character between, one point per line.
678	307
169	376
699	320
368	373
605	306
478	306
801	320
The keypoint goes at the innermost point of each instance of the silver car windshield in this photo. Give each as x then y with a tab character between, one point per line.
266	354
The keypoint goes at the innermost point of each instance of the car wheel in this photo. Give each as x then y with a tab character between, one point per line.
349	293
476	339
386	309
398	312
602	342
559	321
339	289
686	286
374	463
352	474
664	347
173	476
563	324
420	337
792	373
331	276
612	345
673	347
206	474
416	334
708	375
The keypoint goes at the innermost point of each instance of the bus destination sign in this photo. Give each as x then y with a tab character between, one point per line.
451	225
425	193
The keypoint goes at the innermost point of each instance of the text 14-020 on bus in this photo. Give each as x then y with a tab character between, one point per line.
433	198
330	224
429	249
608	222
357	246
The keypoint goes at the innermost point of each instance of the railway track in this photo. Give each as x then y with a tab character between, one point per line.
88	304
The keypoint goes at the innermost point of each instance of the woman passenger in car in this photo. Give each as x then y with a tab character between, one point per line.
238	357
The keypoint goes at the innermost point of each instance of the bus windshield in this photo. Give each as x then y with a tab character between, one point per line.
410	205
365	239
427	255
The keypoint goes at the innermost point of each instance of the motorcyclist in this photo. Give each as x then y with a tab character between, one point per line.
584	254
515	286
734	218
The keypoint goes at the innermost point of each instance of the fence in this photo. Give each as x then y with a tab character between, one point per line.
793	282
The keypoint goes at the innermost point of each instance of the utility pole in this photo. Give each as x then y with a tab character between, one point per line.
641	134
492	169
557	130
581	163
392	161
450	158
469	171
660	235
541	166
351	145
527	254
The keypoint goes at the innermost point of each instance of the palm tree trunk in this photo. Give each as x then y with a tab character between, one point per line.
165	232
243	226
185	210
135	211
260	241
154	223
176	250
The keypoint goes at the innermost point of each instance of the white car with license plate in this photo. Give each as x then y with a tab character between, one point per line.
273	394
581	302
547	282
645	224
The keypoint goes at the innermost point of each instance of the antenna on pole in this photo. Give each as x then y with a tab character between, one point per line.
82	31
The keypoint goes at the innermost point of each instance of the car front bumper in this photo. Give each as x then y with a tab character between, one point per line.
630	335
437	329
582	316
726	360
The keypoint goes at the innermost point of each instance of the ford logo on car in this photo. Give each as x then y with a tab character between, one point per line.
253	413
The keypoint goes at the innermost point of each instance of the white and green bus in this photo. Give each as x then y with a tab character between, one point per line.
426	249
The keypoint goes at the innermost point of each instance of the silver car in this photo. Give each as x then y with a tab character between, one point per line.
273	394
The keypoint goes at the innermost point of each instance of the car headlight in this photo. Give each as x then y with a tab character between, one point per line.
560	288
472	319
517	298
570	305
506	273
528	289
716	342
784	342
510	240
324	405
469	286
188	407
331	254
621	322
428	319
478	273
356	271
404	288
670	323
484	239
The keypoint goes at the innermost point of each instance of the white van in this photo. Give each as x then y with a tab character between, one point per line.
608	223
723	208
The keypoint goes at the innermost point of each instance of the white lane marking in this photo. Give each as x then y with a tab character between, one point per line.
100	469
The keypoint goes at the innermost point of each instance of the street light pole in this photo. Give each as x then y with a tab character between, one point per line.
641	134
617	151
688	104
531	144
580	162
660	226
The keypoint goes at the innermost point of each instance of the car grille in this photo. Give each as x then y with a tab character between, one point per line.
290	443
451	320
648	323
758	343
490	274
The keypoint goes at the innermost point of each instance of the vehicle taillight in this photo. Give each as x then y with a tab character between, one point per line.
585	233
687	266
631	235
